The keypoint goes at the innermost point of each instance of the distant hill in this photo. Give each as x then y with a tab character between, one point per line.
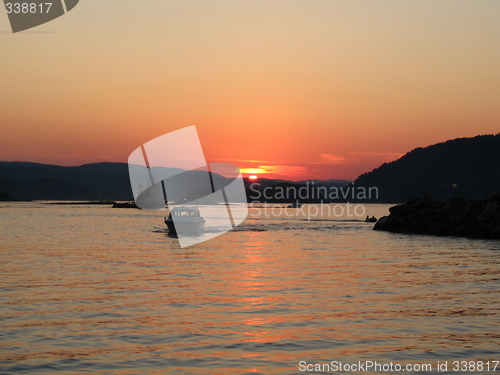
471	163
110	181
34	181
283	191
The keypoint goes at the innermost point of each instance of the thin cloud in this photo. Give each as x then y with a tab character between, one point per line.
330	159
243	160
275	169
377	153
388	156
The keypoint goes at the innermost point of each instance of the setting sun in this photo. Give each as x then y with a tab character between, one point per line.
252	177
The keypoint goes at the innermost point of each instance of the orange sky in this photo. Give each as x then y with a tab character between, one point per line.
303	89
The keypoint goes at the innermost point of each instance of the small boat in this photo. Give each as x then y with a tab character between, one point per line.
124	205
187	219
372	219
295	204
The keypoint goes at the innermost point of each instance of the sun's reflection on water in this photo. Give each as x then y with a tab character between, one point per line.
259	277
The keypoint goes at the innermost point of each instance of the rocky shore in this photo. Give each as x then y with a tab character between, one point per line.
124	205
453	217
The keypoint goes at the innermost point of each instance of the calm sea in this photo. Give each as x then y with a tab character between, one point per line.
92	289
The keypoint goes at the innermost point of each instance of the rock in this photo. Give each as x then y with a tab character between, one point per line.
400	210
454	217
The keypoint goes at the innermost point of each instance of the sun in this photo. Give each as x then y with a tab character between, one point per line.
252	177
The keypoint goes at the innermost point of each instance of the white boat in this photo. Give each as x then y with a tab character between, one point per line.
295	204
185	220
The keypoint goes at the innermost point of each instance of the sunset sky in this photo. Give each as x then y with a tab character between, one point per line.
298	89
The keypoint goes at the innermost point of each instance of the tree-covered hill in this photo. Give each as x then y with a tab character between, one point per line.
473	164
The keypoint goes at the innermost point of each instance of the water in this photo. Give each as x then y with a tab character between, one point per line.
91	289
